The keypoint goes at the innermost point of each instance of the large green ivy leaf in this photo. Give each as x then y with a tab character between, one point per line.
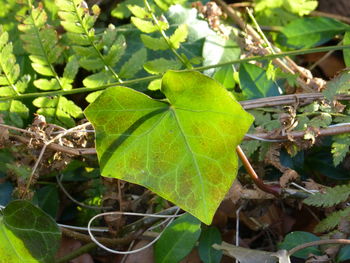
183	150
27	234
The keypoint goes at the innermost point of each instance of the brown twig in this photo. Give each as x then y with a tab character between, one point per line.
272	189
317	243
111	242
299	134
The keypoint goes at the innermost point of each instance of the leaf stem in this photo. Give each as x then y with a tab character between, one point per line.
272	189
202	68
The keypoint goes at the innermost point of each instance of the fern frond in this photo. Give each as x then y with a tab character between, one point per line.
332	220
13	111
340	148
95	52
41	42
146	21
340	84
58	110
332	197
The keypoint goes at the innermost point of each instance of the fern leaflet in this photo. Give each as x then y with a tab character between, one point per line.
146	21
41	42
96	52
332	220
340	148
13	111
332	197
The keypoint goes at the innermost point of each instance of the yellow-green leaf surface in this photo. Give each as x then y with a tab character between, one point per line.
183	150
27	234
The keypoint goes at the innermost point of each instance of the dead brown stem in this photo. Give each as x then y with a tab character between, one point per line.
299	134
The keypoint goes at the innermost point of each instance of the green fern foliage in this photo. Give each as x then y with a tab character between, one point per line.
41	42
58	110
340	148
340	84
95	52
12	111
331	221
332	197
146	21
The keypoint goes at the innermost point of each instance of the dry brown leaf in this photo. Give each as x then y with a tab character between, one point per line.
235	192
288	176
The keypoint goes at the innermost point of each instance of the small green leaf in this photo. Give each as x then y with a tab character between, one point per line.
122	11
45	84
155	84
98	79
300	7
311	31
184	152
296	238
208	238
27	234
70	71
134	64
179	36
154	43
254	82
138	11
161	65
147	26
93	96
177	240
